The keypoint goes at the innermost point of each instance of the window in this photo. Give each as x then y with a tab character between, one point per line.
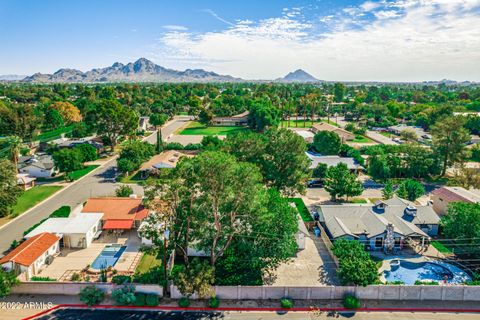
378	242
397	241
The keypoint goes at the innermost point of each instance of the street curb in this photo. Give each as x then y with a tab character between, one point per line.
253	309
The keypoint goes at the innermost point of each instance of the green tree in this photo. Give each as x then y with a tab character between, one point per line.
410	189
8	279
198	277
409	135
9	191
378	168
320	171
113	120
280	155
133	154
52	119
68	160
91	295
19	119
355	265
11	149
124	191
339	92
340	182
211	143
449	140
80	130
387	191
205	117
263	115
462	224
327	143
158	120
88	152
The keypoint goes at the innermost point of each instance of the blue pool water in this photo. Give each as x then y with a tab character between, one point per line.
108	257
409	272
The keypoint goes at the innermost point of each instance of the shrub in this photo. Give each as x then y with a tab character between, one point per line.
397	282
34	278
214	302
75	277
184	302
124	191
427	283
140	299
351	302
152	300
124	296
120	279
193	146
174	146
91	295
286	303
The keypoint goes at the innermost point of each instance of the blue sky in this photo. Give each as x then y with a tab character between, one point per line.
390	40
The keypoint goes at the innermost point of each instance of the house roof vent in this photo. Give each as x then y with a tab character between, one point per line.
411	210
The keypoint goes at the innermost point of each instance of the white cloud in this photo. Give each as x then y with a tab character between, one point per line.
173	27
425	40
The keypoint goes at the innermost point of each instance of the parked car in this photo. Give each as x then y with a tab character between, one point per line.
315	184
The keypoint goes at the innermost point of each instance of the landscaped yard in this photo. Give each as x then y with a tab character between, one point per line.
148	262
33	196
75	175
53	134
298	123
196	128
441	247
361	139
302	209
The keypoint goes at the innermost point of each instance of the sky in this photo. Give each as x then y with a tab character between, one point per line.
342	40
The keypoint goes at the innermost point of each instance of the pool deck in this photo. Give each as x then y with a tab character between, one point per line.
74	260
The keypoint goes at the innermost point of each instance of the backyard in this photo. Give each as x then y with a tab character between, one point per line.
196	128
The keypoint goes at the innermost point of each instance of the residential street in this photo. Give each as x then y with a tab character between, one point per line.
95	184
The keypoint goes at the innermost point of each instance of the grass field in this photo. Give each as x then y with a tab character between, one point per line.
302	209
147	262
196	128
298	123
75	175
441	247
361	139
33	196
53	134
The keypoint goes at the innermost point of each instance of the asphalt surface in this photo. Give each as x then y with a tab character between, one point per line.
98	183
74	314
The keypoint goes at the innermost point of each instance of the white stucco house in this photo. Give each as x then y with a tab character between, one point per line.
32	255
37	166
75	232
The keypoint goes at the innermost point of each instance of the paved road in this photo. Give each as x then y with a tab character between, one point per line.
145	315
95	184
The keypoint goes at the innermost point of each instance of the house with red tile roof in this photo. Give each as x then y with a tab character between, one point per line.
118	213
32	255
442	197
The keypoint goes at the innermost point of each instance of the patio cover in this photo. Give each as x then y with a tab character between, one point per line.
118	224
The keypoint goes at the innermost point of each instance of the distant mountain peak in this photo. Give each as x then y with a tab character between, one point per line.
141	70
299	75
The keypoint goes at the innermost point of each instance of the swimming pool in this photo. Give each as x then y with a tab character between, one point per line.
409	272
108	257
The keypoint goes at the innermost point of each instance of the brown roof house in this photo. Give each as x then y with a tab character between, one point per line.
442	197
118	213
32	255
342	133
236	120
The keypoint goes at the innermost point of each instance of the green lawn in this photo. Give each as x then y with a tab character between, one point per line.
298	123
53	134
333	123
75	175
147	262
357	200
196	128
302	209
361	139
33	196
441	247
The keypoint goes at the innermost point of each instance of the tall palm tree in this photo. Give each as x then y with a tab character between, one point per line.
14	144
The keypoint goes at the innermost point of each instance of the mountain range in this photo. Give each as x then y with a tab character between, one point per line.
143	70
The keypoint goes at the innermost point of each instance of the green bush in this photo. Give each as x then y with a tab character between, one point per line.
75	277
174	146
34	278
152	300
427	283
286	303
91	295
121	279
214	302
124	296
62	212
351	302
397	282
140	299
184	302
